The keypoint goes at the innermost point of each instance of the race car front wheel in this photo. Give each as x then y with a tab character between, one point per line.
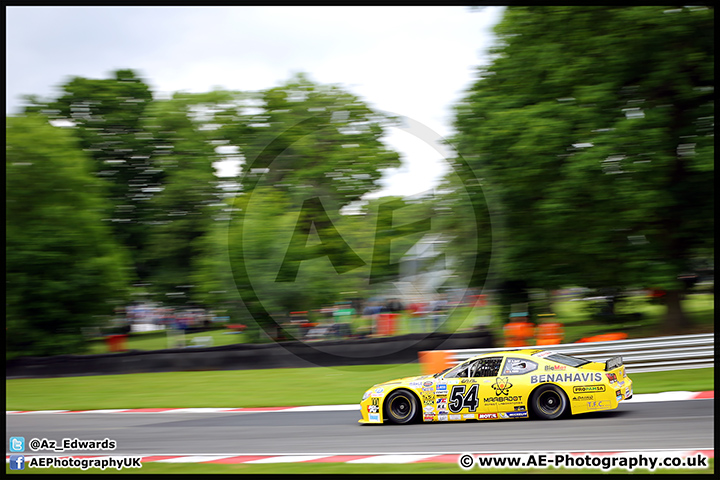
549	402
401	407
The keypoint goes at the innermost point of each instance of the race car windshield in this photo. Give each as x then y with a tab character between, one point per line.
460	371
566	360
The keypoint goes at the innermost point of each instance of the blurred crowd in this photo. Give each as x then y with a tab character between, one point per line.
139	317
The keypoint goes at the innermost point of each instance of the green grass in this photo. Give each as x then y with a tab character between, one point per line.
695	380
300	386
344	468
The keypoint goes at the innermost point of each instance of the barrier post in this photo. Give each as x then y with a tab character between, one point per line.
116	343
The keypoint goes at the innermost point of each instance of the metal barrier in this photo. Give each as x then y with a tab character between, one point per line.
658	354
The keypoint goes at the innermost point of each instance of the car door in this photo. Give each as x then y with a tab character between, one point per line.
509	390
466	396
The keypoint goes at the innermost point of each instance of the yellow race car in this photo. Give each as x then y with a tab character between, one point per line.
511	384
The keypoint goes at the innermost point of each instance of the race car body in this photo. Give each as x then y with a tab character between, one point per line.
501	385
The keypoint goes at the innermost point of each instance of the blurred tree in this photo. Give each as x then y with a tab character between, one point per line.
461	210
212	275
304	137
106	116
64	271
183	207
593	130
307	148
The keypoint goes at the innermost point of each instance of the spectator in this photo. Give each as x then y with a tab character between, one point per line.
438	308
394	305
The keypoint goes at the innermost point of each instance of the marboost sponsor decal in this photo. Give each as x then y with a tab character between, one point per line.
588	388
502	386
567	377
513	399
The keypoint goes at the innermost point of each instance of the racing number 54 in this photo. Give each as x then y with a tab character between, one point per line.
459	399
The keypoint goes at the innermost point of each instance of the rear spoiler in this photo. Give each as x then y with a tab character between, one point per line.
613	363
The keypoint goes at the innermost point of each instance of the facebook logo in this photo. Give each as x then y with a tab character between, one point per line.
17	462
17	444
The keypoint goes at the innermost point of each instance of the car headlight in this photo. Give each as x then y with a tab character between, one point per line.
366	395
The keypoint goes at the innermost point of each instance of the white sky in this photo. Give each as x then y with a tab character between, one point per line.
409	61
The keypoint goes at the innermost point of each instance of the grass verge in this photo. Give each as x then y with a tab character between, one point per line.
300	386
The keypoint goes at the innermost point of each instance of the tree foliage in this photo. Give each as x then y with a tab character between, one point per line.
305	137
64	270
183	209
593	129
106	116
309	150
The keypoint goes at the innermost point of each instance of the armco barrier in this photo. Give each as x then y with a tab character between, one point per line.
657	354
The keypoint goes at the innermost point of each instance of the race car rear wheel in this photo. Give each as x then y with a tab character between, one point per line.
401	407
549	402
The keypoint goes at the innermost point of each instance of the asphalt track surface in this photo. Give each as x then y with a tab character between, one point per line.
687	425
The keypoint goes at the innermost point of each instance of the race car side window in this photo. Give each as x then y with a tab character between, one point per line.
518	366
483	367
487	367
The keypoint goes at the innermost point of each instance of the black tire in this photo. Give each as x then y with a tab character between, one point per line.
401	407
549	402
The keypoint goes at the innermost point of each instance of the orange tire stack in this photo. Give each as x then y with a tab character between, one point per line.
519	333
549	333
